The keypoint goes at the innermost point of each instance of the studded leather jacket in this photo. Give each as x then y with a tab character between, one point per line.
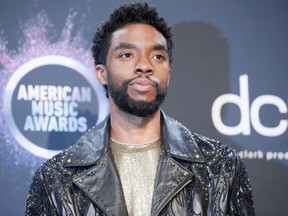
196	176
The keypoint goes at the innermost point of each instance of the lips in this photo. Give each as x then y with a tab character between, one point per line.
142	84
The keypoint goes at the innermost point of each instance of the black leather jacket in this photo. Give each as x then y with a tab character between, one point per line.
195	176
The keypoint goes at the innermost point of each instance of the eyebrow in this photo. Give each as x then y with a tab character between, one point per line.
124	45
160	47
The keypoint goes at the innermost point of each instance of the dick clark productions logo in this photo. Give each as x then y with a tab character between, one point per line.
49	102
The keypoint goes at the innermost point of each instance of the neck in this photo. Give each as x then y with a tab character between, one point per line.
131	129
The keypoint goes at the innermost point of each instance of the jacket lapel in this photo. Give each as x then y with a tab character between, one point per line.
97	176
172	177
101	184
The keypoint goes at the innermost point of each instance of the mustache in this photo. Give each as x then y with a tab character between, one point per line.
152	79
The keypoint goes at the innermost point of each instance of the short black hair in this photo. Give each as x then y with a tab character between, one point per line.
130	13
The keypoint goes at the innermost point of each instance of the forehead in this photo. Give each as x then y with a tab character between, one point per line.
138	34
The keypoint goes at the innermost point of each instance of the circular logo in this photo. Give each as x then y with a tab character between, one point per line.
50	102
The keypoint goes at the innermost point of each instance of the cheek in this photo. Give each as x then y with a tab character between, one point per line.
164	83
165	79
116	78
168	80
120	70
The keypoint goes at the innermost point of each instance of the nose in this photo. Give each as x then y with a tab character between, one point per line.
143	65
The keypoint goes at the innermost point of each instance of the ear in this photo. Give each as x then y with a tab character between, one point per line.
101	73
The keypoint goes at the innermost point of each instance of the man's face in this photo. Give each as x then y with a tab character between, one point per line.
138	69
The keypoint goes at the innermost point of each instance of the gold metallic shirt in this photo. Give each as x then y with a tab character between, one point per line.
137	165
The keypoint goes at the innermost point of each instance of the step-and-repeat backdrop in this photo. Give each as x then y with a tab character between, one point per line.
229	82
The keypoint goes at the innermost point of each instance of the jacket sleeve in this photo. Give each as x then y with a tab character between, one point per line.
38	201
241	202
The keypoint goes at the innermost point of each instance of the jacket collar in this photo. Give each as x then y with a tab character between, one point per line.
177	141
90	147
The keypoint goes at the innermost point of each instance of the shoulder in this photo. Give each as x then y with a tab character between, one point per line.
219	158
77	157
210	147
53	169
190	146
88	146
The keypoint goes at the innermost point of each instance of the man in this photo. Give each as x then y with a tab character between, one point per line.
139	161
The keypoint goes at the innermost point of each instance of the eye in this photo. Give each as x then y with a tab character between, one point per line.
126	55
159	57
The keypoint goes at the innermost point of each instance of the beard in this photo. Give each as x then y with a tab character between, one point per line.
139	108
